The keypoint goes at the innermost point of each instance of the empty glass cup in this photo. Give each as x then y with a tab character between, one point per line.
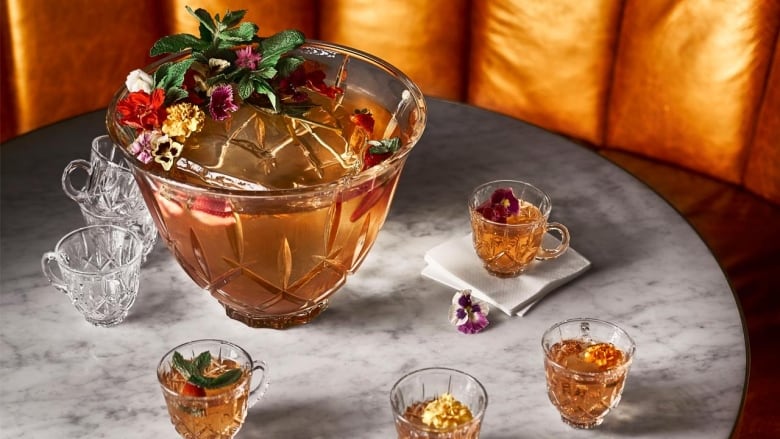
140	222
98	267
109	187
438	403
208	386
109	193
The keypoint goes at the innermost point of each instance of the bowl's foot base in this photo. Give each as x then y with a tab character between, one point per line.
283	321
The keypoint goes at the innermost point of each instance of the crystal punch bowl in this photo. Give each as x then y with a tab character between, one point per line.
273	249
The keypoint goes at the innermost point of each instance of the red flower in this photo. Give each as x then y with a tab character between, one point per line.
316	81
142	110
193	96
309	77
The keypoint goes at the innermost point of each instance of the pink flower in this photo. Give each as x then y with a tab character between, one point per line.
247	58
142	146
221	103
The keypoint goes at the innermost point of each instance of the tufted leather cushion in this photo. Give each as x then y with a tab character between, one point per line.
548	63
695	83
65	58
689	80
425	39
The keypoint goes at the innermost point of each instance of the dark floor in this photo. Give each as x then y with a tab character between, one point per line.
743	232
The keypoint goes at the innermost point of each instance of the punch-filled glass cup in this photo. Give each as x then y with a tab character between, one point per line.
208	386
509	219
586	363
438	403
98	267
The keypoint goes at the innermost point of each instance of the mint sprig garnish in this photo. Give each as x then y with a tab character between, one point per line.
215	34
219	37
384	146
192	371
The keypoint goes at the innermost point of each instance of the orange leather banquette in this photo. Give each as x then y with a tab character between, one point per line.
685	94
690	82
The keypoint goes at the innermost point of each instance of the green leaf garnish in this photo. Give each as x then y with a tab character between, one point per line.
192	371
241	34
278	44
207	26
202	361
172	74
176	43
218	39
384	146
232	18
287	65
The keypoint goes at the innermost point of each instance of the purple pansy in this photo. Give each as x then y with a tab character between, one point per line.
221	103
467	313
502	204
247	58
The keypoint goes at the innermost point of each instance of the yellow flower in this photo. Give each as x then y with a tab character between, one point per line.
183	119
446	412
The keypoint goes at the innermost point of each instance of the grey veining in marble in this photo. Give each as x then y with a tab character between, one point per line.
651	274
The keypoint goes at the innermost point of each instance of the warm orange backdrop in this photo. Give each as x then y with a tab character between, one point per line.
694	82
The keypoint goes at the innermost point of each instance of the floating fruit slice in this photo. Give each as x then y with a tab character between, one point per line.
212	211
189	389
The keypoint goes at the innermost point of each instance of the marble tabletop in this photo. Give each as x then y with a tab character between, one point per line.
651	274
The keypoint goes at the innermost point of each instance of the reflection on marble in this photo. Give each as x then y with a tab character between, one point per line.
651	274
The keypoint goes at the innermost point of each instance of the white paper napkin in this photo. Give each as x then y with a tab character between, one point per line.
455	263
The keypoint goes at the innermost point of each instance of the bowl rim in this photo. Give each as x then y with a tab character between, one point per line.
345	182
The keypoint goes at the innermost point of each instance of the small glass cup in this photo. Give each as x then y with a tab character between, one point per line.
140	222
414	391
508	248
218	413
585	373
109	187
98	267
109	194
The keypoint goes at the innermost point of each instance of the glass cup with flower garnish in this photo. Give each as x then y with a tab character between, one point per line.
208	385
268	163
509	219
586	363
438	403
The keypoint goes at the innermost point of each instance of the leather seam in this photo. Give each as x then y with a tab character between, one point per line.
605	110
762	107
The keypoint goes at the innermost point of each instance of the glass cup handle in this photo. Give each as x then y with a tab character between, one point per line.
46	265
74	194
547	253
258	390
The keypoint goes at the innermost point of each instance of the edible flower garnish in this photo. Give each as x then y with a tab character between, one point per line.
469	315
446	412
380	150
502	204
224	68
229	65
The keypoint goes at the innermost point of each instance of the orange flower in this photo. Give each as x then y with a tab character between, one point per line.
142	110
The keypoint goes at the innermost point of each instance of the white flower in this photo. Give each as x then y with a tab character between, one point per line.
217	65
138	80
